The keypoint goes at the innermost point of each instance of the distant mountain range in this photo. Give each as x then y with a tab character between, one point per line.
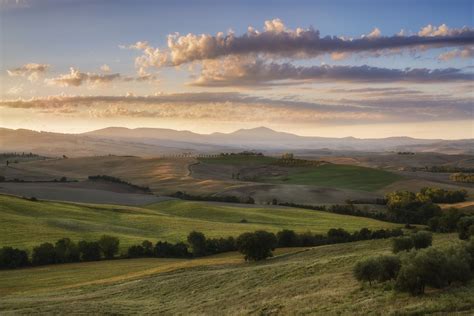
159	141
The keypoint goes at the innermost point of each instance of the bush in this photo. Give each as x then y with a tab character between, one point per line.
287	238
44	254
135	251
367	270
256	246
197	241
147	248
109	246
66	251
422	239
89	250
389	268
11	258
464	227
404	243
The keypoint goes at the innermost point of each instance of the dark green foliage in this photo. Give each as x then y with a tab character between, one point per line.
168	250
438	195
197	241
109	246
135	251
287	238
118	180
11	258
446	222
367	270
389	268
403	243
147	248
408	207
422	239
458	263
464	227
66	251
338	235
226	198
89	250
257	246
219	245
44	254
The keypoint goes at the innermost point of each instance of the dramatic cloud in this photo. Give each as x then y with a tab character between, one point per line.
467	52
236	107
31	70
235	71
277	41
77	78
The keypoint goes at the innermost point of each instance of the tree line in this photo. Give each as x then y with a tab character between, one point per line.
462	177
253	245
224	198
118	180
418	265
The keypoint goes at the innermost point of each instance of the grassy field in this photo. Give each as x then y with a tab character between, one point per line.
25	223
339	176
316	281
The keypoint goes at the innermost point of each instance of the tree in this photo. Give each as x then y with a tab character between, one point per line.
367	270
422	239
287	238
197	241
44	254
147	248
135	251
89	250
256	246
66	251
11	258
464	225
109	246
458	267
389	266
338	235
403	243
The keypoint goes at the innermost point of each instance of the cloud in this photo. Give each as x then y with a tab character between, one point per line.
236	71
77	78
237	107
467	52
277	41
31	70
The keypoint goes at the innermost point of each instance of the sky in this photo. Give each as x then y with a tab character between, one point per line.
367	69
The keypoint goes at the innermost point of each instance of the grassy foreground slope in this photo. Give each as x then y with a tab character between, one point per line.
316	281
26	223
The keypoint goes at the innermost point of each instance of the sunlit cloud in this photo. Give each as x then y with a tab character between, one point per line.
31	70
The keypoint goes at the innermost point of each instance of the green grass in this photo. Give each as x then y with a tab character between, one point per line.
246	160
318	281
24	223
339	176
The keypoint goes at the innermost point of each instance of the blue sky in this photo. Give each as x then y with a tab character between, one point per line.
87	34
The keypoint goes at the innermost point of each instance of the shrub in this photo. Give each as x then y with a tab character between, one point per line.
44	254
66	251
256	246
89	250
147	248
11	258
403	243
109	246
389	266
464	227
135	251
287	238
338	235
367	270
422	239
197	241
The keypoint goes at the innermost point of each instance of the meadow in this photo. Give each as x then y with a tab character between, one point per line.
26	223
307	281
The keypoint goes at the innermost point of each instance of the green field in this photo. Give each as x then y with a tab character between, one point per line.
316	281
339	176
25	223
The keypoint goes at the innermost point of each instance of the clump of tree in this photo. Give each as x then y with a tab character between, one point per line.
257	245
446	222
415	270
407	207
118	180
222	198
462	177
11	258
442	169
437	195
417	240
